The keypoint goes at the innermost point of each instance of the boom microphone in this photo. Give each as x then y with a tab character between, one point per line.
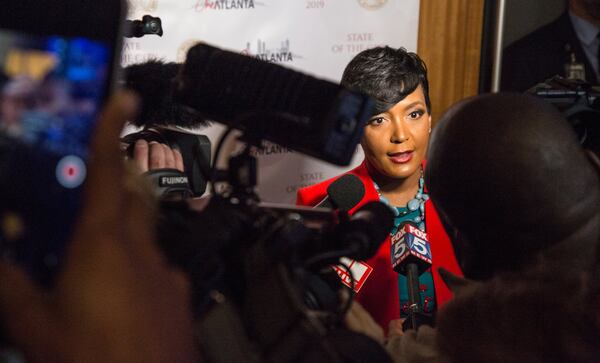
153	81
268	101
344	193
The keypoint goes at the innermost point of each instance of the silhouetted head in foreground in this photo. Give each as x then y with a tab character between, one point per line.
509	178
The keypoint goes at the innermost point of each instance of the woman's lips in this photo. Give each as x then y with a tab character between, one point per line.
401	158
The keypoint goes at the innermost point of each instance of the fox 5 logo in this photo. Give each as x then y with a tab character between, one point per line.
411	243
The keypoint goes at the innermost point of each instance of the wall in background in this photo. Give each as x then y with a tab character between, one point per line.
450	43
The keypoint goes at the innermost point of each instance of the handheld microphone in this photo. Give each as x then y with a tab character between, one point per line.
410	246
361	236
411	256
344	193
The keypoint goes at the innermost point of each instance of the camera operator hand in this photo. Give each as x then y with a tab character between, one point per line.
395	328
115	299
414	346
360	321
153	155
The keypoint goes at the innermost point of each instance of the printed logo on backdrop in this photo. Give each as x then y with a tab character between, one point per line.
354	43
142	6
134	52
315	4
372	4
270	153
305	179
202	5
274	54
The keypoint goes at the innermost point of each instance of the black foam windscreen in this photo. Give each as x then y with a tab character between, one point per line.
268	101
346	192
367	229
153	81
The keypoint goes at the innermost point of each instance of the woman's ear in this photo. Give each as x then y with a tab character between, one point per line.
429	119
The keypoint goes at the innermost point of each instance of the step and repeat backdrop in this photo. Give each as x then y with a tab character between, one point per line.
317	37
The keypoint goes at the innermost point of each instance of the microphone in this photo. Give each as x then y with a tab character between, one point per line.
410	246
366	230
344	193
360	237
267	101
154	82
411	256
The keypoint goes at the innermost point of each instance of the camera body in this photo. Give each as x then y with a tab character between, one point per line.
580	104
261	275
196	152
149	25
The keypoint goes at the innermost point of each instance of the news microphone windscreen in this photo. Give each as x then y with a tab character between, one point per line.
344	193
153	81
410	245
367	229
268	101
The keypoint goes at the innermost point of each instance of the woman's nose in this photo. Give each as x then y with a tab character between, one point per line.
399	134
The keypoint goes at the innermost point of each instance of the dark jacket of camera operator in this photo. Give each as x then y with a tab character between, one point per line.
528	232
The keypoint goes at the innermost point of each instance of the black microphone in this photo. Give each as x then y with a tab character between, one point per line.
268	101
366	230
411	256
344	193
154	82
359	239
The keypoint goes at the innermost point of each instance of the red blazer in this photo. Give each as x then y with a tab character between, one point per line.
379	295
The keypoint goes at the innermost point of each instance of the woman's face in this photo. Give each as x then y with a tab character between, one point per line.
396	140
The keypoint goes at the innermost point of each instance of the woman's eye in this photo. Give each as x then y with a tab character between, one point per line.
416	114
376	121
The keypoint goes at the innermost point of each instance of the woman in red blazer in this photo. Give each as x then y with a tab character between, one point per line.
395	142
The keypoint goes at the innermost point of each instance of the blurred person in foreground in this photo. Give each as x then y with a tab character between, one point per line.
524	217
116	300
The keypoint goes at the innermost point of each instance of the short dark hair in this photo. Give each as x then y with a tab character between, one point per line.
387	75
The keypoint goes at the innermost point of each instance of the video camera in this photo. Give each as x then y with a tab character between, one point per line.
171	183
149	25
168	122
263	286
579	102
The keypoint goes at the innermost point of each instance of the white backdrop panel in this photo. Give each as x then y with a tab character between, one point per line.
318	37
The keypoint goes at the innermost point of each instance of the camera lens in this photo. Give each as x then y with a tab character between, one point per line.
153	25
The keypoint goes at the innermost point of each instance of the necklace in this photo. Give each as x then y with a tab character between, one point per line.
416	203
